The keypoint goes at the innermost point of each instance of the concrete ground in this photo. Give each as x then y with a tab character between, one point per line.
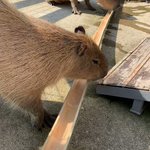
104	123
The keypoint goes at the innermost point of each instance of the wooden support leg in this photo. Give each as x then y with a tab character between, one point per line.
137	107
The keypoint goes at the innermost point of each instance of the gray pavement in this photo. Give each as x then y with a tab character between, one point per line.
104	123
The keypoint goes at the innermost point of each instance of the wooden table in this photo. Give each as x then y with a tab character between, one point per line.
130	78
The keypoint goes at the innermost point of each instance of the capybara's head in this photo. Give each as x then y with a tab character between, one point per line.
89	62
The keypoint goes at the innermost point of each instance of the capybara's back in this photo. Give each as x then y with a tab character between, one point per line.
108	4
35	54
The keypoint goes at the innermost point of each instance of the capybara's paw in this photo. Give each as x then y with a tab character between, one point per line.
38	125
51	2
76	12
49	119
44	120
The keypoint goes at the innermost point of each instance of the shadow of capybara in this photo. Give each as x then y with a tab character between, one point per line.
35	54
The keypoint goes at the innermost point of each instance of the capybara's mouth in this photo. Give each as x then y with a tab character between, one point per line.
96	79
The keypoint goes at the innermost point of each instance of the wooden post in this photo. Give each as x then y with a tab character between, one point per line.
60	134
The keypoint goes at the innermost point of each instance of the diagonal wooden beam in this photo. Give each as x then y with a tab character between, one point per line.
60	134
98	36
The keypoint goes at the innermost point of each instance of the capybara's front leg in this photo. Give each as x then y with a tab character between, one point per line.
74	4
42	117
51	2
39	116
49	119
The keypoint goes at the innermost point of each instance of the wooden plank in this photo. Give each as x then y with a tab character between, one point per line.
137	69
129	68
142	78
120	63
61	132
98	36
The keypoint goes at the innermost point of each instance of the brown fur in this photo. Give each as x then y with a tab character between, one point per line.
108	4
35	54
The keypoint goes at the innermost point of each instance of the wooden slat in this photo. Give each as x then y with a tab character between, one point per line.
137	69
61	132
98	36
130	66
142	79
121	62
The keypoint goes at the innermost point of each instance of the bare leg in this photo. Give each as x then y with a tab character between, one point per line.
39	117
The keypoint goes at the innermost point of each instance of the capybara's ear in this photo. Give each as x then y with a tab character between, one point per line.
79	29
81	49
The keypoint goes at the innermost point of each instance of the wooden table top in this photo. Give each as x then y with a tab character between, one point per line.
134	70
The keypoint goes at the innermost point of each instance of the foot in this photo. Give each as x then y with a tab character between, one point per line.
76	12
46	120
51	2
49	119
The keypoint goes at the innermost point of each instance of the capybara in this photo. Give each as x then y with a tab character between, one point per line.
74	4
35	54
108	4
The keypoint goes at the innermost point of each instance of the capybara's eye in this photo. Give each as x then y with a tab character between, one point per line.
95	61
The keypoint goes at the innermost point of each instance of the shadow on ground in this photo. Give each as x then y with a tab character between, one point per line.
64	10
16	132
